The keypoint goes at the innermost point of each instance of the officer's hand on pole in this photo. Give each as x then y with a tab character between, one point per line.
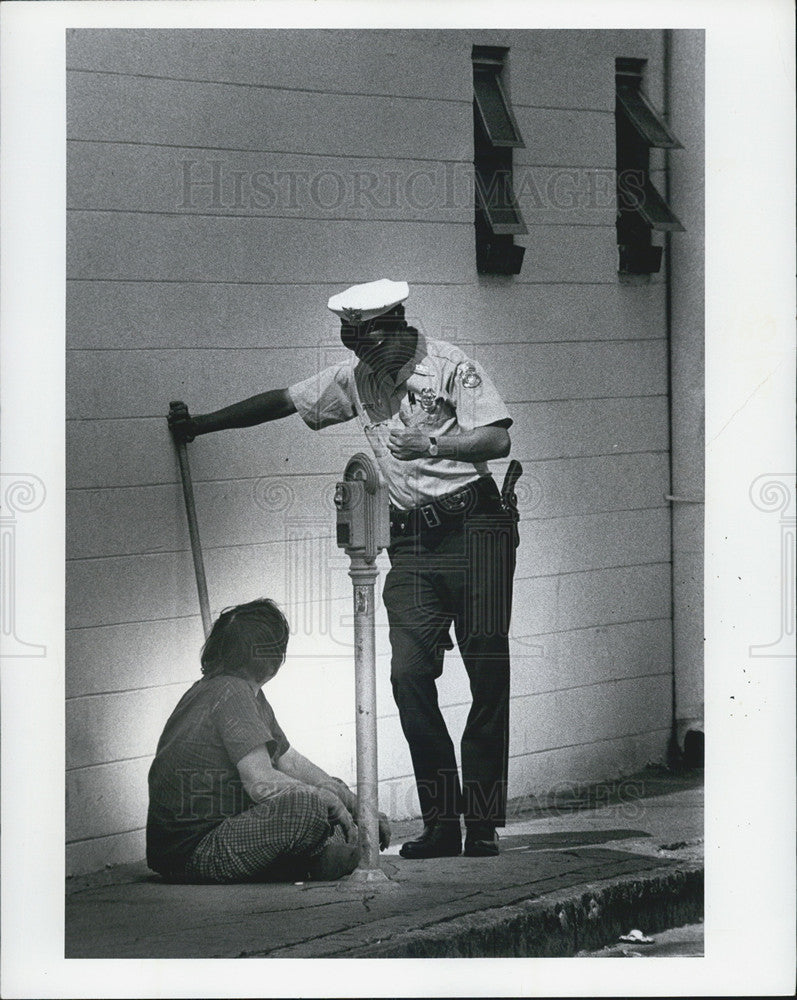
384	832
408	443
181	423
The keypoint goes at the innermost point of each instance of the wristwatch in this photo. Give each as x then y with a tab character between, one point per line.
433	449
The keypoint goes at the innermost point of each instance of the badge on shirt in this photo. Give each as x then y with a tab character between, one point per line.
468	375
428	400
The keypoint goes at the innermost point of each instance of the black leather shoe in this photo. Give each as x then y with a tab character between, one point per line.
440	839
481	841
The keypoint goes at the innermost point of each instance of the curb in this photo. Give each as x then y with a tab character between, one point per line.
554	925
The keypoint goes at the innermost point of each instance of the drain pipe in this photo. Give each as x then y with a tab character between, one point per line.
673	749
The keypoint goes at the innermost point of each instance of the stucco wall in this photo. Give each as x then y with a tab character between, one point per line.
179	292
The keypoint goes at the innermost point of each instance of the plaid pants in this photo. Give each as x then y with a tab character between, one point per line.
287	837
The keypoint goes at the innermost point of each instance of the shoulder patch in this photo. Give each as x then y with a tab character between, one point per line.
468	375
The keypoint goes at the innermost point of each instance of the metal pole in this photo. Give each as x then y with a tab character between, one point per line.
363	577
363	530
193	530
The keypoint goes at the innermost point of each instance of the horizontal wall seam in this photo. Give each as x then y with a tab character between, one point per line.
509	402
271	284
261	543
587	399
108	763
277	151
597	569
133	621
355	157
105	836
587	628
565	631
531	461
603	739
463	101
564	690
592	513
245	217
281	350
205	548
388	715
397	220
278	477
466	101
524	519
611	283
141	687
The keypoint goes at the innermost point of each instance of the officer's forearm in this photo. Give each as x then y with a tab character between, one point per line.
482	444
272	405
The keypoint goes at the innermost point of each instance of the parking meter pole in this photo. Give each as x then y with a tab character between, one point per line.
363	530
363	577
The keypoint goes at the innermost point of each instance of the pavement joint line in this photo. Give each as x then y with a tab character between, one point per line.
360	928
343	931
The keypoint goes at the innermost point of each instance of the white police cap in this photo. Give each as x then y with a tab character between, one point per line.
371	299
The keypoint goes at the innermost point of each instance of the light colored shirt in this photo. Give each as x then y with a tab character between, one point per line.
440	391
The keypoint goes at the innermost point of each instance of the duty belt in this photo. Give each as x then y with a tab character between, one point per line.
449	507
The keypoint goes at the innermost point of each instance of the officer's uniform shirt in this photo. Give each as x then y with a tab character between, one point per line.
440	390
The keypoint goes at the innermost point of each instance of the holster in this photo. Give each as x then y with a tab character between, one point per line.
509	497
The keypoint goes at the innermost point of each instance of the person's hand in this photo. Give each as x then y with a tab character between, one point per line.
408	443
339	815
181	424
384	832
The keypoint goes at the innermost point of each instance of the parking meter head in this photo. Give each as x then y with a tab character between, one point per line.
361	502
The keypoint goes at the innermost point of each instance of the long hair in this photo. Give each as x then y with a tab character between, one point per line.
248	641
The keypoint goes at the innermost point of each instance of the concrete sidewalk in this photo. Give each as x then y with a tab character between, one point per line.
572	875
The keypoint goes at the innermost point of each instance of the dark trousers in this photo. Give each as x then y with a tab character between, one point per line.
461	573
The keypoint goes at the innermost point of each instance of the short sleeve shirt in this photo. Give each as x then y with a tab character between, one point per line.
441	391
193	781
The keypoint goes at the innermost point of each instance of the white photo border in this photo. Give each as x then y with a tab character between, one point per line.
749	432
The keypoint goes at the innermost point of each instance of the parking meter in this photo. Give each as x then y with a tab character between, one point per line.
363	519
363	529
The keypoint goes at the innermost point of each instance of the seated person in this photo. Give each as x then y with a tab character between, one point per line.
229	799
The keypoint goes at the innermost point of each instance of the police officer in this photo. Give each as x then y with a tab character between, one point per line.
433	419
